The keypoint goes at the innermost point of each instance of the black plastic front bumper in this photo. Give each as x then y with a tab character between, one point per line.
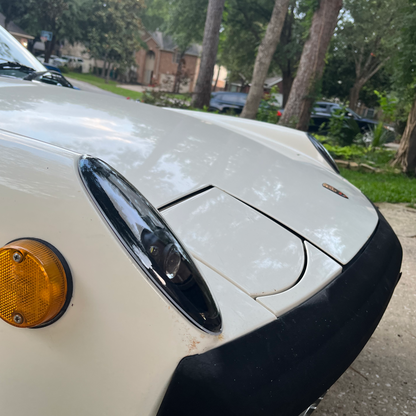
281	368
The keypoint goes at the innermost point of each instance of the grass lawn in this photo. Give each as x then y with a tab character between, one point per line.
384	187
100	83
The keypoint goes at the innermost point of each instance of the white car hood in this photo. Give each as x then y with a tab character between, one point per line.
167	156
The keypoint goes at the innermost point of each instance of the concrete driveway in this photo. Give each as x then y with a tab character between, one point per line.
382	380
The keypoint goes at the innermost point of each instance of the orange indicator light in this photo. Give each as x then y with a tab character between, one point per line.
33	283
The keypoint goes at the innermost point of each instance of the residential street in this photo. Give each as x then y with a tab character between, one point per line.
382	380
85	86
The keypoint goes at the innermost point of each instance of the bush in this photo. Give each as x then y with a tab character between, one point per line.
268	108
343	130
166	99
64	69
373	156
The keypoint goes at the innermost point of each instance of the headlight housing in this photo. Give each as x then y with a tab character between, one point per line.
151	243
325	154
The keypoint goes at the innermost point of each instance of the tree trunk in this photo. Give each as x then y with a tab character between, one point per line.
355	94
406	155
178	77
287	83
104	65
264	57
107	77
304	90
202	92
216	80
49	49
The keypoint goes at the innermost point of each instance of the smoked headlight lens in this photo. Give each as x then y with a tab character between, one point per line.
152	244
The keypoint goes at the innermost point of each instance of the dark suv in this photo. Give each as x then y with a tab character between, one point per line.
323	111
225	102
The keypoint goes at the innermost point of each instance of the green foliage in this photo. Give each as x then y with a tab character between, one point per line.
184	20
378	157
64	18
365	38
13	9
113	30
383	187
165	99
346	152
342	129
268	108
244	25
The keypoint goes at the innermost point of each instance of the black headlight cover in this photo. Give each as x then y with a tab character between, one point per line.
321	149
151	243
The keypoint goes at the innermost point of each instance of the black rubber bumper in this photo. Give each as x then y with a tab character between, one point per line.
281	368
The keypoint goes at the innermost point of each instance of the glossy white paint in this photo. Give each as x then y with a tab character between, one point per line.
116	347
253	252
278	138
241	314
320	270
167	155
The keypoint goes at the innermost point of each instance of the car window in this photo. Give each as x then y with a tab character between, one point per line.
242	98
11	50
321	108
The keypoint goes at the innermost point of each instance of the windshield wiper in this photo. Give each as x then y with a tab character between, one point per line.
35	74
15	65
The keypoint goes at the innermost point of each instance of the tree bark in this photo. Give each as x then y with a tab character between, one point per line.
406	155
202	92
107	77
264	58
216	79
355	94
304	90
363	75
287	67
49	49
287	82
178	76
104	65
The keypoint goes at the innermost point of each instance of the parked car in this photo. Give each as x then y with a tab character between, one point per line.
17	62
234	102
225	102
323	111
168	262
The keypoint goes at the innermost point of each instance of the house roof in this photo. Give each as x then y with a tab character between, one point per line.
166	43
270	82
13	28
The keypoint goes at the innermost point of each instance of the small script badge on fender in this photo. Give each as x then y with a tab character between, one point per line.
334	190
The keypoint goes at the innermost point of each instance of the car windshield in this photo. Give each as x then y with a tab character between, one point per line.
12	51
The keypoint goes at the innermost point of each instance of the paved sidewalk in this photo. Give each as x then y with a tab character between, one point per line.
382	380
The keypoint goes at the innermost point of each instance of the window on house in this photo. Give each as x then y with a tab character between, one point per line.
176	56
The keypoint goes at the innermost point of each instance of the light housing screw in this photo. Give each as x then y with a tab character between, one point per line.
17	257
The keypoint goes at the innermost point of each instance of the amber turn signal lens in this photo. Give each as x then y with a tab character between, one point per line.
33	283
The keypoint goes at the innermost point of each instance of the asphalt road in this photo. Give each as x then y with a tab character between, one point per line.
382	380
84	86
